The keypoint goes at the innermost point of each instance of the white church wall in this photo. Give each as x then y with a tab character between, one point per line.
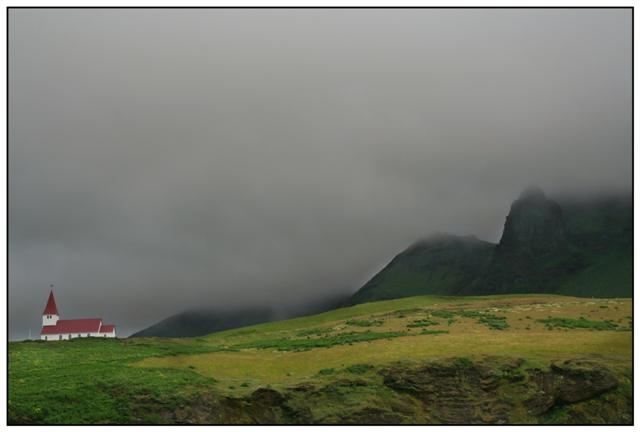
67	336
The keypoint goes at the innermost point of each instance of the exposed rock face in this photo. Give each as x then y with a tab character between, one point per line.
452	393
533	253
534	226
578	383
461	392
567	383
455	391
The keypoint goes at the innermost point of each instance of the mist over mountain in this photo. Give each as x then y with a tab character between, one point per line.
165	160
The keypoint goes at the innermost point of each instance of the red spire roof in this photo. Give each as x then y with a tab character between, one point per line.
50	308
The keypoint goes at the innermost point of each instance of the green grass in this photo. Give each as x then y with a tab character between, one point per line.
88	381
358	368
463	363
443	314
314	331
285	344
494	322
580	323
364	323
422	323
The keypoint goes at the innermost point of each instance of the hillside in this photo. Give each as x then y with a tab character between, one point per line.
576	247
423	360
440	264
602	231
202	322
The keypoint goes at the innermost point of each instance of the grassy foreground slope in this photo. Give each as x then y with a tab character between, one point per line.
494	359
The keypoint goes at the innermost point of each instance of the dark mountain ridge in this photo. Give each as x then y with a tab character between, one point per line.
204	321
580	247
442	262
199	322
534	226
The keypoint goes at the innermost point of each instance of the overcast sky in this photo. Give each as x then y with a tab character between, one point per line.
161	160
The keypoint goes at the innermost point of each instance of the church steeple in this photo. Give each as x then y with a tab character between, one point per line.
50	314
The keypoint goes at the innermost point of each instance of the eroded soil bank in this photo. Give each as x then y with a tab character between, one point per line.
491	390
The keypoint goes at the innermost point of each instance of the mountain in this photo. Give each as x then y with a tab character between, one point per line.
202	322
580	247
440	264
533	252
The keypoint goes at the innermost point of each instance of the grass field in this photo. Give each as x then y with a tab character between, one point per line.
142	380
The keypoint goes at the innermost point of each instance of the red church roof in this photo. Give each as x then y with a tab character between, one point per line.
87	325
50	308
108	328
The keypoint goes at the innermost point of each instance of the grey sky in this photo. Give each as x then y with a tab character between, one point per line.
166	159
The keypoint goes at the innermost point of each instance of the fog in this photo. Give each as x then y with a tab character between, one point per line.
161	160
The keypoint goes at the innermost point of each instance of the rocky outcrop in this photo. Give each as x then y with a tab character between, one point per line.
464	392
533	226
534	252
454	392
566	383
494	390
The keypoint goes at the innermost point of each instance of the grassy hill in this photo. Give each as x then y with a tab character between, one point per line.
602	232
574	247
430	359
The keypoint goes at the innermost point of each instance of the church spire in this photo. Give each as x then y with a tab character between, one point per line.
51	308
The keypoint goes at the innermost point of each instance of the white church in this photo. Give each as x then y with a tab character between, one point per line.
54	328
